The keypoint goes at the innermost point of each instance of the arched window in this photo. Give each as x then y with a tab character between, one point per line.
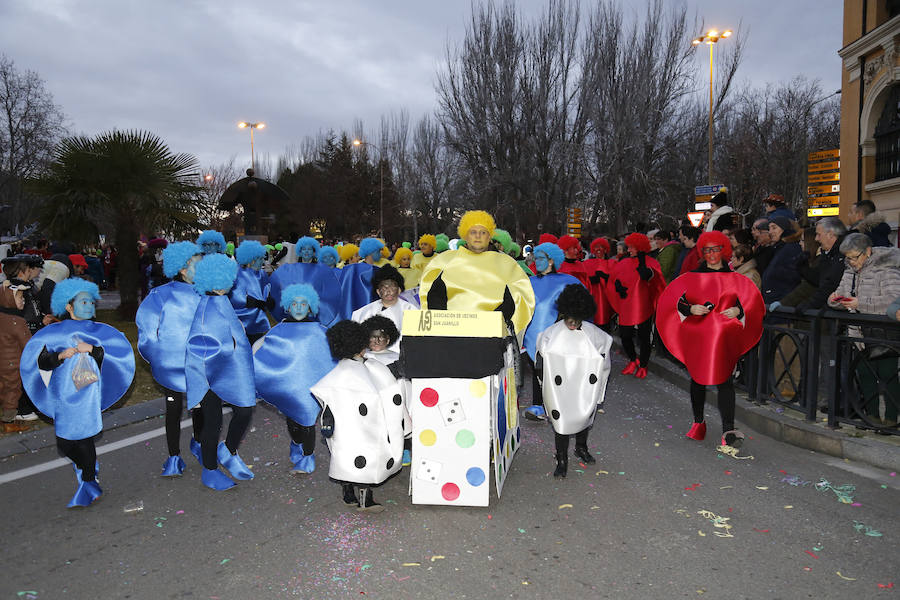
887	138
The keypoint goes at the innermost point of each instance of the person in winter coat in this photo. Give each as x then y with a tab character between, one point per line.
742	262
866	219
722	216
667	253
775	207
829	269
781	276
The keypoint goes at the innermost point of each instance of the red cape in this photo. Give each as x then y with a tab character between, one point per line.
710	345
576	270
639	301
598	290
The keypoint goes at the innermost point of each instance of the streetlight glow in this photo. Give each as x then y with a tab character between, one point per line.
252	126
712	36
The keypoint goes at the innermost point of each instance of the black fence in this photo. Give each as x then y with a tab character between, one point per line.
842	366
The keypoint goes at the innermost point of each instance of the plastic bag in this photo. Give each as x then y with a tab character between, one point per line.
84	373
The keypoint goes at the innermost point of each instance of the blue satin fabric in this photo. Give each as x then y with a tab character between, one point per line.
546	290
250	282
323	279
291	359
356	287
163	320
218	356
76	413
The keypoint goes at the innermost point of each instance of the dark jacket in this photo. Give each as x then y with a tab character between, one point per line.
829	270
874	227
782	276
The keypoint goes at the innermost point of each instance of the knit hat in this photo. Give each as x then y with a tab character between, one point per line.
783	222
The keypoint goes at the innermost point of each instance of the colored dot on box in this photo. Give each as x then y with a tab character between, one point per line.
450	491
429	397
428	437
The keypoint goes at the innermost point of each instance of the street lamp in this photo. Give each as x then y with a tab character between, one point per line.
710	38
359	143
252	126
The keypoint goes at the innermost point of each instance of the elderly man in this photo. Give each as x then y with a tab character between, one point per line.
830	232
763	248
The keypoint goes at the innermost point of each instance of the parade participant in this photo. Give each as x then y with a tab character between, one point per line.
211	241
90	365
635	284
349	254
403	259
472	279
163	321
573	354
384	258
328	256
250	295
356	279
708	319
307	249
572	264
388	284
547	286
219	369
287	361
427	246
442	241
598	269
325	280
14	334
229	249
362	417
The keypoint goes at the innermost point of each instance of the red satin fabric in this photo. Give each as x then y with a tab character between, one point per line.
641	296
710	345
598	290
576	270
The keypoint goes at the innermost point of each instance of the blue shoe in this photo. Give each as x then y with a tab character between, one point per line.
173	467
407	458
195	450
215	479
535	413
87	492
236	467
302	463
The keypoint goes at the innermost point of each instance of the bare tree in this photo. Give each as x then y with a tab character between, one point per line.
214	180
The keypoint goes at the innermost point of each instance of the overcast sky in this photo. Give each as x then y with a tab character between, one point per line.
190	70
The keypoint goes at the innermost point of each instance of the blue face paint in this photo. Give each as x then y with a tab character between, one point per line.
210	248
375	256
190	269
329	260
83	308
257	263
299	308
307	253
541	262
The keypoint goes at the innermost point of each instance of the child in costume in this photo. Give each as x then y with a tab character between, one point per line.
356	278
250	293
325	280
362	417
402	261
307	249
328	256
387	282
73	370
219	369
572	264
211	241
597	269
573	356
163	320
287	361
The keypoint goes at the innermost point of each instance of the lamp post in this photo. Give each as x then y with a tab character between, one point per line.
710	38
359	143
252	126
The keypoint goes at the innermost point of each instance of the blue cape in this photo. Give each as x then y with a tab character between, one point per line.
356	287
546	290
218	356
76	413
255	284
163	320
322	278
292	357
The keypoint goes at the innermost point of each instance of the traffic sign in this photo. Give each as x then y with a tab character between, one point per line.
823	189
823	177
823	154
832	165
695	218
703	205
708	190
825	211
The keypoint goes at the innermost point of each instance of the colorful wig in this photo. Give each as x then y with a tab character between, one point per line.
568	241
176	256
715	238
346	339
502	236
326	251
638	241
401	252
442	242
67	289
214	272
428	239
347	251
300	289
248	251
547	237
212	237
307	241
553	251
600	248
576	302
370	246
473	218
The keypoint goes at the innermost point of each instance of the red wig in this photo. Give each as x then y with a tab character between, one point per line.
600	248
715	238
547	237
638	241
567	241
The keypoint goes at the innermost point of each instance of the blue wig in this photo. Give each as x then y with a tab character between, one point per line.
369	246
67	289
248	251
300	289
553	251
212	237
307	241
329	250
176	256
215	272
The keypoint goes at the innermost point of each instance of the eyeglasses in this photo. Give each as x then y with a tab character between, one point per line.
850	259
711	249
379	335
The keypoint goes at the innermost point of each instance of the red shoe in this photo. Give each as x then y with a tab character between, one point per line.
630	368
697	431
640	373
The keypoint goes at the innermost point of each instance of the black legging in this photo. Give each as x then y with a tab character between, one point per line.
562	441
725	401
211	407
305	435
81	452
174	409
537	393
643	334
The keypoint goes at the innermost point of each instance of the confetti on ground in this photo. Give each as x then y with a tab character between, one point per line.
693	487
762	487
844	492
727	472
718	522
521	530
31	594
856	504
225	560
595	507
811	554
817	548
732	452
886	586
621	472
308	500
412	564
789	506
602	472
838	573
336	578
726	487
700	533
760	530
179	512
794	480
866	529
437	557
562	506
524	583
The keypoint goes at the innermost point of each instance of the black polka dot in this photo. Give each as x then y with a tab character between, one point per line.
390	463
558	380
554	414
592	378
360	462
397	399
363	410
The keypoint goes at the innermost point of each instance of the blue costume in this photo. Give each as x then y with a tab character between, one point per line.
356	287
248	297
546	290
322	278
163	320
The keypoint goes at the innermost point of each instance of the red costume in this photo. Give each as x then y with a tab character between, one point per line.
571	266
633	298
597	270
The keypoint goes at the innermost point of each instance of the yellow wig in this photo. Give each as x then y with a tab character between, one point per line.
475	217
400	253
347	251
428	239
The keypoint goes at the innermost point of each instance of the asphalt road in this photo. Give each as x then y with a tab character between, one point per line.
638	524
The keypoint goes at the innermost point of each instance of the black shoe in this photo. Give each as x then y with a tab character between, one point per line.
367	502
350	498
562	465
585	455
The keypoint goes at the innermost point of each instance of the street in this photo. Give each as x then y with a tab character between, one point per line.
658	516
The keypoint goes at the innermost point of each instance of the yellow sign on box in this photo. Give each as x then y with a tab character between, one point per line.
825	166
823	154
453	323
825	211
823	189
823	177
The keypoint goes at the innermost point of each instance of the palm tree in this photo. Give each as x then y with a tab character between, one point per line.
123	181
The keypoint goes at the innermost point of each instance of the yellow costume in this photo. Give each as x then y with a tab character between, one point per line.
420	261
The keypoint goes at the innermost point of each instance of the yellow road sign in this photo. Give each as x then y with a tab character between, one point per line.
823	189
826	211
820	200
823	154
824	166
823	177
